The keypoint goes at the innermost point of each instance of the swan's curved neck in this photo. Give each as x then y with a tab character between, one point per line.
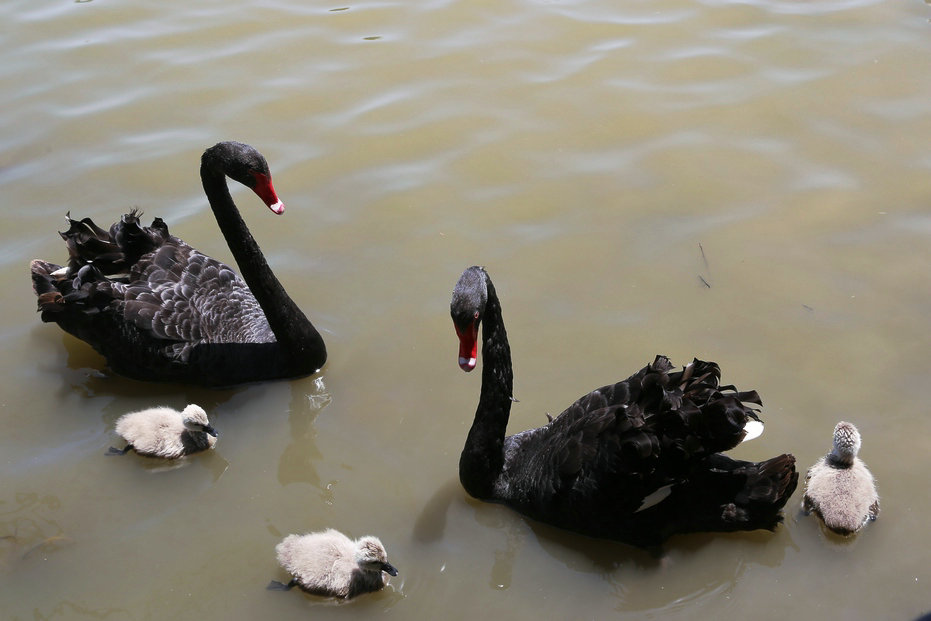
296	336
482	458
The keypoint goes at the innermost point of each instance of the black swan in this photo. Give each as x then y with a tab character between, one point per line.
637	461
157	309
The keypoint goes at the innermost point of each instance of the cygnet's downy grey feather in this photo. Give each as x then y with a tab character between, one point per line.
165	432
839	486
331	564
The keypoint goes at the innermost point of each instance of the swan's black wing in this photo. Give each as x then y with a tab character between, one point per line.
181	294
139	291
624	444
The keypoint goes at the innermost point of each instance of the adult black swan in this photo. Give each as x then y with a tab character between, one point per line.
636	461
157	309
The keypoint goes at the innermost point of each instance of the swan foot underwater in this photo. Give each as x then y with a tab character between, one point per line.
158	309
637	461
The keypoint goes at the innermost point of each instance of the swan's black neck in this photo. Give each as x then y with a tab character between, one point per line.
482	458
297	338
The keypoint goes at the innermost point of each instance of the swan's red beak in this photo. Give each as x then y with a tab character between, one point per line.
468	346
266	191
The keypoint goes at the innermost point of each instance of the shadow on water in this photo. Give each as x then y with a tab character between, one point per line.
590	555
639	579
212	460
690	571
575	551
83	371
431	523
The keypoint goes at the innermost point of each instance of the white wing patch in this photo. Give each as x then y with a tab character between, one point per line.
651	500
754	429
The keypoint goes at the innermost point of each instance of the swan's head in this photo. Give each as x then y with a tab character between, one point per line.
243	163
846	442
195	419
371	556
468	304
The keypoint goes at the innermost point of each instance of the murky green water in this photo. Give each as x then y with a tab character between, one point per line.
600	158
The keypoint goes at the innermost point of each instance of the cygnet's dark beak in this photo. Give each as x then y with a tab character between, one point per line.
388	567
211	431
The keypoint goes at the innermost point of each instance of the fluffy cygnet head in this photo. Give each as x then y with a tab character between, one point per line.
195	419
371	556
846	443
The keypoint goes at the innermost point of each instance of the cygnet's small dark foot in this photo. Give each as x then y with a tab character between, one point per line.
274	585
115	451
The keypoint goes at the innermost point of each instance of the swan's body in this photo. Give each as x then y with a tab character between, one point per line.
165	432
331	564
157	309
636	461
839	487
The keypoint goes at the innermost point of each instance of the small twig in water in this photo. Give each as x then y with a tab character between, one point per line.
704	260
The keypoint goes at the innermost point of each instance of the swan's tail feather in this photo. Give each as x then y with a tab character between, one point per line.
97	260
135	240
112	252
49	297
695	413
88	243
741	495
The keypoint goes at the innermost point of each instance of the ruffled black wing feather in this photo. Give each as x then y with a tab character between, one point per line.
592	467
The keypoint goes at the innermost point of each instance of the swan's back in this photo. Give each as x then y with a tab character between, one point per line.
638	434
178	293
601	465
158	282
